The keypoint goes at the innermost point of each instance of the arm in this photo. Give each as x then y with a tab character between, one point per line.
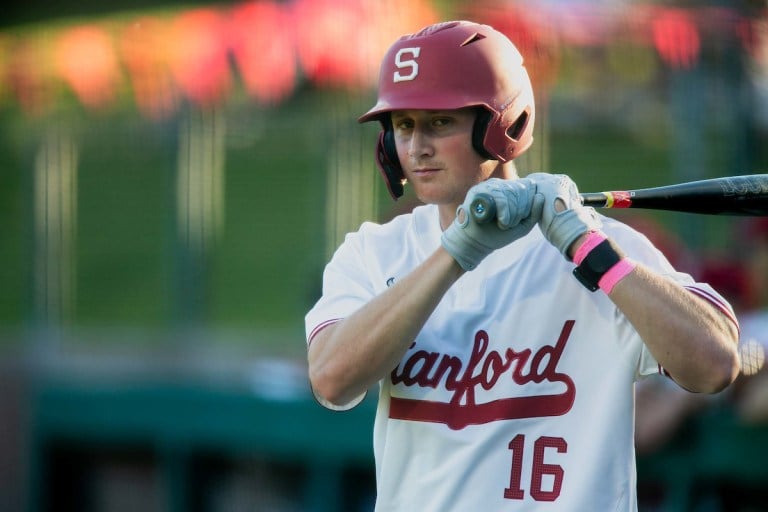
690	337
347	357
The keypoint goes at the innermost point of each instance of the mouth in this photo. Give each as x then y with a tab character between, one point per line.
425	171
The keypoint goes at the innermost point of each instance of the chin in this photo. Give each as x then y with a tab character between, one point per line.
433	195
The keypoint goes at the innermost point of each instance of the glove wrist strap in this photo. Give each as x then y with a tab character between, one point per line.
593	239
600	263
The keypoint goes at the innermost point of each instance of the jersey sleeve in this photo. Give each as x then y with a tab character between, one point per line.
346	287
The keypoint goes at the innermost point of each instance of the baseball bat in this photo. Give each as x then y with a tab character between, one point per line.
745	195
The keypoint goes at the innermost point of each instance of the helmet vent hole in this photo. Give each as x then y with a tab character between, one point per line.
472	39
517	127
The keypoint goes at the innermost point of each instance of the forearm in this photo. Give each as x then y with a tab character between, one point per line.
694	341
346	358
689	336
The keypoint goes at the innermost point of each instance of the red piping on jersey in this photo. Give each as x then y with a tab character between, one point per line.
716	302
319	328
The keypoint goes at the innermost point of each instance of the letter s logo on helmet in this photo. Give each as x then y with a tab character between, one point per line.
404	64
453	65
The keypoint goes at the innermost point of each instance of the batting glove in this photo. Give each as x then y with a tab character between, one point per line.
563	218
518	208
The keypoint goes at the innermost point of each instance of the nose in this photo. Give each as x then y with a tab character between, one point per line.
420	144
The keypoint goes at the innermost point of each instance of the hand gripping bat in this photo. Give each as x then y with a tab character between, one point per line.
745	195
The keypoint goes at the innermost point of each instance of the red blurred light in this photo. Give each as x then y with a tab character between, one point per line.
341	42
197	51
86	60
676	38
331	45
30	75
262	42
143	46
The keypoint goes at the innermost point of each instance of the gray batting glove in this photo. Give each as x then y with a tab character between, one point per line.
563	218
518	208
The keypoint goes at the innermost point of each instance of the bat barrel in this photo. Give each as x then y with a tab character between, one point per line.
734	195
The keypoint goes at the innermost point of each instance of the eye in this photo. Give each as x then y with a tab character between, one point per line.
441	122
402	124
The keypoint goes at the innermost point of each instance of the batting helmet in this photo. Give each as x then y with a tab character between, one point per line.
448	66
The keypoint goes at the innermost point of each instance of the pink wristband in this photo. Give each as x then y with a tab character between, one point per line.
615	274
593	240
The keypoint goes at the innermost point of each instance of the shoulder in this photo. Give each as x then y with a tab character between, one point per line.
421	220
618	229
628	238
416	230
641	247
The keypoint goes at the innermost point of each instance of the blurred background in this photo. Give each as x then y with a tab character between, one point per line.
175	175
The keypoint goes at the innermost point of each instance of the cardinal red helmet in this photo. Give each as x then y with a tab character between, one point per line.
453	65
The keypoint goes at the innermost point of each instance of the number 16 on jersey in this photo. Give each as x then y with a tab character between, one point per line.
539	469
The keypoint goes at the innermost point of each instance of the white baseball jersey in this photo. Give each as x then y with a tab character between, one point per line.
518	393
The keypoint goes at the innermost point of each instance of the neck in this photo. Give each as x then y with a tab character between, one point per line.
447	214
505	171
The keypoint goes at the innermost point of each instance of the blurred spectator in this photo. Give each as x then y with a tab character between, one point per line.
663	409
673	247
751	393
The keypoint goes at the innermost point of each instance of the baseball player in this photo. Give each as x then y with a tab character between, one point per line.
505	353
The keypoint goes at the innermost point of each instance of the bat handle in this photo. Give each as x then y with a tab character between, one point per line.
595	199
482	208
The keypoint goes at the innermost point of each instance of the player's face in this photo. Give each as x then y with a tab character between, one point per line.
435	151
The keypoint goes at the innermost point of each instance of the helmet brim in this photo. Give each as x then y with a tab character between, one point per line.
382	107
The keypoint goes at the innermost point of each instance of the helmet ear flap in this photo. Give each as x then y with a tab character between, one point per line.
479	129
388	145
387	160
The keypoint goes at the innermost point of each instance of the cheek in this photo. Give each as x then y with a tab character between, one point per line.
401	149
474	166
462	151
400	145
